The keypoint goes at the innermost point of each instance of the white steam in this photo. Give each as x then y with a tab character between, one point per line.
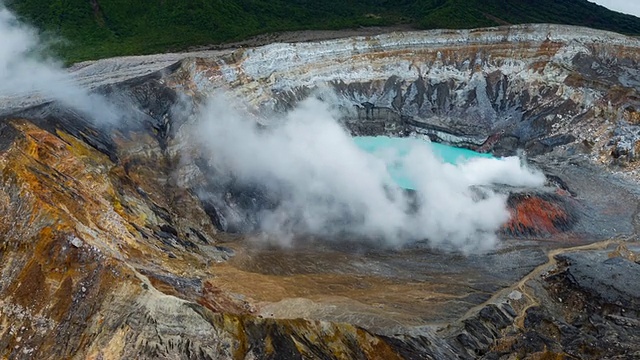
25	71
330	187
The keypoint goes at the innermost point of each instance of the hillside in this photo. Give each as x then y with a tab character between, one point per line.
103	28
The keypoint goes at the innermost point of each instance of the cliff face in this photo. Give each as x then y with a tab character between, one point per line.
533	86
112	246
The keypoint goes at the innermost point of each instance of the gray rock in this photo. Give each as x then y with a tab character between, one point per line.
612	281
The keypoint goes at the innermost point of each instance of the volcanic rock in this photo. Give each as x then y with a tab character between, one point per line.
121	241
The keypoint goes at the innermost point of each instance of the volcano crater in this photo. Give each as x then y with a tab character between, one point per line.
135	224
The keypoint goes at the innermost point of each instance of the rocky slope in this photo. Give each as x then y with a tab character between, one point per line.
116	238
525	84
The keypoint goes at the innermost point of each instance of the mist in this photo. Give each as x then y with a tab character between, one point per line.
26	71
328	187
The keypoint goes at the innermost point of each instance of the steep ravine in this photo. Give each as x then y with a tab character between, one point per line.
117	239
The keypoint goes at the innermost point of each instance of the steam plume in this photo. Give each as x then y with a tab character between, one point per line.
25	71
329	187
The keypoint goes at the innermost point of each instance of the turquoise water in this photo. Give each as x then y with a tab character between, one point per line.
378	145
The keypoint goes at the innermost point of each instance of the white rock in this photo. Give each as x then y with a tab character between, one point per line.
75	241
515	295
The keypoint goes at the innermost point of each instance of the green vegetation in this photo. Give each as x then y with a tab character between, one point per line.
102	28
478	13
